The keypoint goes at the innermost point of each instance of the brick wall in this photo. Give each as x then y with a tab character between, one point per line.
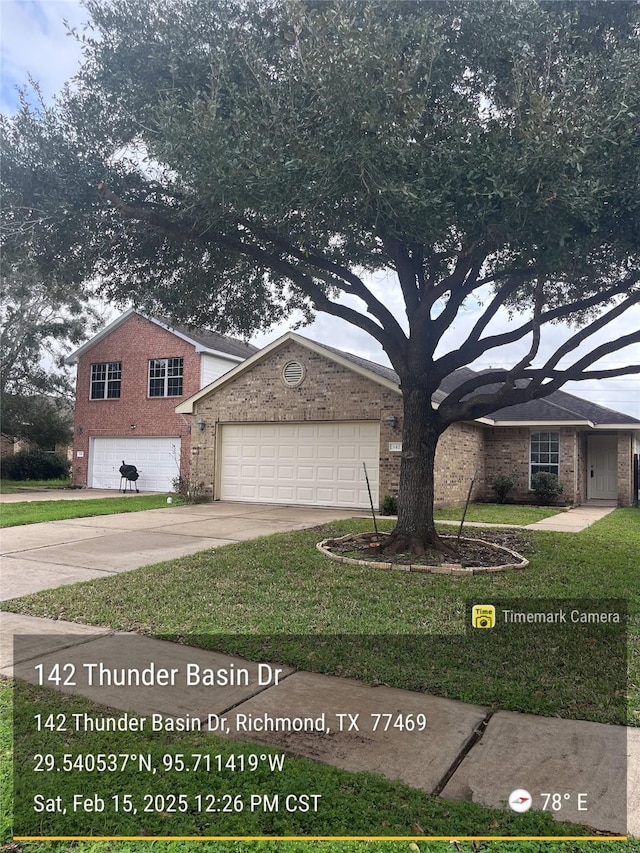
460	454
507	452
133	343
330	392
625	469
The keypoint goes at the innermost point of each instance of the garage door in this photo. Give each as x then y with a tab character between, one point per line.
300	463
157	461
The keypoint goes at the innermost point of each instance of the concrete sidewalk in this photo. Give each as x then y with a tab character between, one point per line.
470	753
467	752
574	520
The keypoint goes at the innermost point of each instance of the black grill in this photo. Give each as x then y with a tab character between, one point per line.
129	474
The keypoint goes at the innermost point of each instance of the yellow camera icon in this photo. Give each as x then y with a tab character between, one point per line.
483	616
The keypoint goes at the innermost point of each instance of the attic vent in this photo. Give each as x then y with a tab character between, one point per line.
293	374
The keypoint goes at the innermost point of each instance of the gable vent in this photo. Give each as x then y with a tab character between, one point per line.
293	373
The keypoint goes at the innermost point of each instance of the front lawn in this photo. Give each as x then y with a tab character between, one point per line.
31	512
278	599
11	487
498	513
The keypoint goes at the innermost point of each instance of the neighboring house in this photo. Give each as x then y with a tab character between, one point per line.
294	422
130	377
7	445
10	445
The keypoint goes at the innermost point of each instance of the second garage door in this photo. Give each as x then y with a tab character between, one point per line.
157	460
300	463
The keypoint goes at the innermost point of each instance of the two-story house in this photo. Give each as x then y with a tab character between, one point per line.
130	378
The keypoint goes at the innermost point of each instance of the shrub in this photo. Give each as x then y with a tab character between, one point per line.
546	486
389	505
180	486
502	485
192	492
35	465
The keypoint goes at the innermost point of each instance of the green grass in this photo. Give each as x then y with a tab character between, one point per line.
498	513
280	588
270	599
10	487
32	512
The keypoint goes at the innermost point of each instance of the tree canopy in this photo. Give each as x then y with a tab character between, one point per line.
38	322
230	162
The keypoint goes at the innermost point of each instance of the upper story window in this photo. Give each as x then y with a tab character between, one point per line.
165	377
545	453
106	379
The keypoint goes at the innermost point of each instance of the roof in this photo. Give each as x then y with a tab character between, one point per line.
379	369
558	407
208	341
561	406
203	340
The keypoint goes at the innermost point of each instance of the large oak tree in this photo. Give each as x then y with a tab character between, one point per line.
228	162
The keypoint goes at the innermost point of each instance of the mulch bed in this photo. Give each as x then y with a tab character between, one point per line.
470	553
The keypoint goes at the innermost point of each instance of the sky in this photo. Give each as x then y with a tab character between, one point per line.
34	43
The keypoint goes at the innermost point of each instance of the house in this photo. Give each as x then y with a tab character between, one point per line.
294	422
129	378
34	411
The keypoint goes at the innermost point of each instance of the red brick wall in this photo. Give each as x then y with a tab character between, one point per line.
133	343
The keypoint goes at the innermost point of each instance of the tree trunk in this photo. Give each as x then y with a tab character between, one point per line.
415	531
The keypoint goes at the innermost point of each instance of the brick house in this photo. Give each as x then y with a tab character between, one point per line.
294	422
129	378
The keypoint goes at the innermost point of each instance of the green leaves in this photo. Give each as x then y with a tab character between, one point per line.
266	134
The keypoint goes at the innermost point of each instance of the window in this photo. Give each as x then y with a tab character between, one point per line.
106	379
165	377
545	453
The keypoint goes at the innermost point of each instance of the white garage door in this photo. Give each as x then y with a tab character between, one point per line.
300	463
157	461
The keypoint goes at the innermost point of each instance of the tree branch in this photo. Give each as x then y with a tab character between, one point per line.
305	282
474	347
406	270
348	282
587	332
535	342
455	408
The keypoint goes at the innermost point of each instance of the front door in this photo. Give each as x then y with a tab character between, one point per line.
602	467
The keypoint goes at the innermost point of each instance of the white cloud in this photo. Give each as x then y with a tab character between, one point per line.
34	43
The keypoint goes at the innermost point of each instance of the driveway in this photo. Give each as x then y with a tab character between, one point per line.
43	556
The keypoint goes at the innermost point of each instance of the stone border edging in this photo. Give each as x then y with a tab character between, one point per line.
455	569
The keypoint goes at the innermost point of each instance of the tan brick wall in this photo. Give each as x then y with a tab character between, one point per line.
507	452
133	343
625	469
460	454
330	392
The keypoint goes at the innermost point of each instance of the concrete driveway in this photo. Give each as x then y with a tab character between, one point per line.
43	556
